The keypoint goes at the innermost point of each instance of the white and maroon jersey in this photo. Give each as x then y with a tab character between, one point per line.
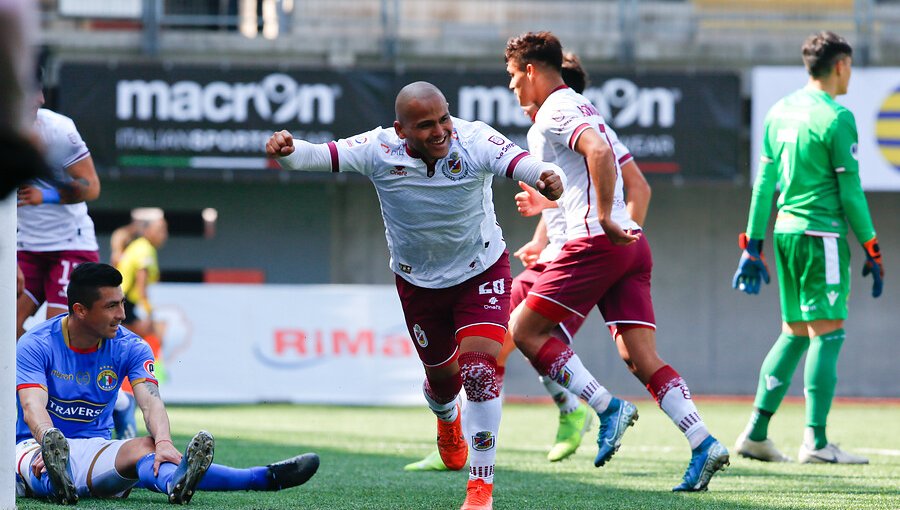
56	227
564	116
555	218
440	225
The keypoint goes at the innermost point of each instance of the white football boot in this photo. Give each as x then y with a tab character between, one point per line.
758	450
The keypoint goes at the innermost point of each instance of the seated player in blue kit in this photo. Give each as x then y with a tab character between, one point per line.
68	373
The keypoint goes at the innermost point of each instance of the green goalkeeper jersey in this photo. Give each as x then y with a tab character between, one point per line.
810	150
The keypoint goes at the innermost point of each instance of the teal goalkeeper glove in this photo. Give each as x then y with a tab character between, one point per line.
752	266
874	265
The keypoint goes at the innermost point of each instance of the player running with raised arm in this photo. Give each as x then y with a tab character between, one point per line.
575	418
68	372
810	150
54	232
433	176
605	263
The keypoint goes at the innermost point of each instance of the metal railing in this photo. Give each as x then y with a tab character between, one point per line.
627	32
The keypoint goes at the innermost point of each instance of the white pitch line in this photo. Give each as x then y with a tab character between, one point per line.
879	451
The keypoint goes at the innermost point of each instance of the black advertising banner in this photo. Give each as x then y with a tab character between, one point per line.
187	116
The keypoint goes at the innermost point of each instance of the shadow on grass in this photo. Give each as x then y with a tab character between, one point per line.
370	481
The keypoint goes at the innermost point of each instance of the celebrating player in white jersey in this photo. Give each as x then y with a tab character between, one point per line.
433	176
55	233
575	418
606	262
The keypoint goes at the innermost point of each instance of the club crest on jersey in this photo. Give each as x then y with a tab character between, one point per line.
419	333
107	380
149	366
564	377
496	140
455	170
483	441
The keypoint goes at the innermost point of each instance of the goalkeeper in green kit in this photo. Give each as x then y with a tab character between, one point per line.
810	151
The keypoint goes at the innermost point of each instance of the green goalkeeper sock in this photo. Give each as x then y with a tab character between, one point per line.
774	380
820	379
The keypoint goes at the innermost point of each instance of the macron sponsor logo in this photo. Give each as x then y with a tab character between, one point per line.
772	382
832	297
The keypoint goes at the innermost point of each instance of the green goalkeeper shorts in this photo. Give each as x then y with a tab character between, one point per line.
814	277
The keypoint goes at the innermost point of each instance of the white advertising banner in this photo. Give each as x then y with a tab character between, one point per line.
343	344
874	99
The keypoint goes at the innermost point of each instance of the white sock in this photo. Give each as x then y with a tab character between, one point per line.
680	408
445	412
481	425
575	378
565	400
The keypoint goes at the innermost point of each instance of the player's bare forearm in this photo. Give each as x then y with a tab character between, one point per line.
603	172
637	192
155	416
602	167
34	411
540	232
85	185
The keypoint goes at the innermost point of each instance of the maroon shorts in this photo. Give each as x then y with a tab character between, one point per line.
523	283
438	319
47	273
591	271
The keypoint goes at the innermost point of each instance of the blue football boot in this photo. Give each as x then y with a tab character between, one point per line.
620	415
706	459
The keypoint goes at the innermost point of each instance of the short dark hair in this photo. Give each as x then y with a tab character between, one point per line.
86	280
822	50
573	74
530	48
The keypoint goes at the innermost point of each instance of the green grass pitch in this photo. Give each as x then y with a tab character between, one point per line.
363	451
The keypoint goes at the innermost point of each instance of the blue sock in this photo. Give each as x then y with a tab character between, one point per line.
217	477
40	486
156	483
224	478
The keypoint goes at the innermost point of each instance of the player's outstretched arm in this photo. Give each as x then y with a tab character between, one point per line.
294	154
157	420
602	167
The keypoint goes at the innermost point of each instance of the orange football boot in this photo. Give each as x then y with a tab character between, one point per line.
451	444
479	495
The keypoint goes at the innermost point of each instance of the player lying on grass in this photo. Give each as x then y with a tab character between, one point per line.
68	373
